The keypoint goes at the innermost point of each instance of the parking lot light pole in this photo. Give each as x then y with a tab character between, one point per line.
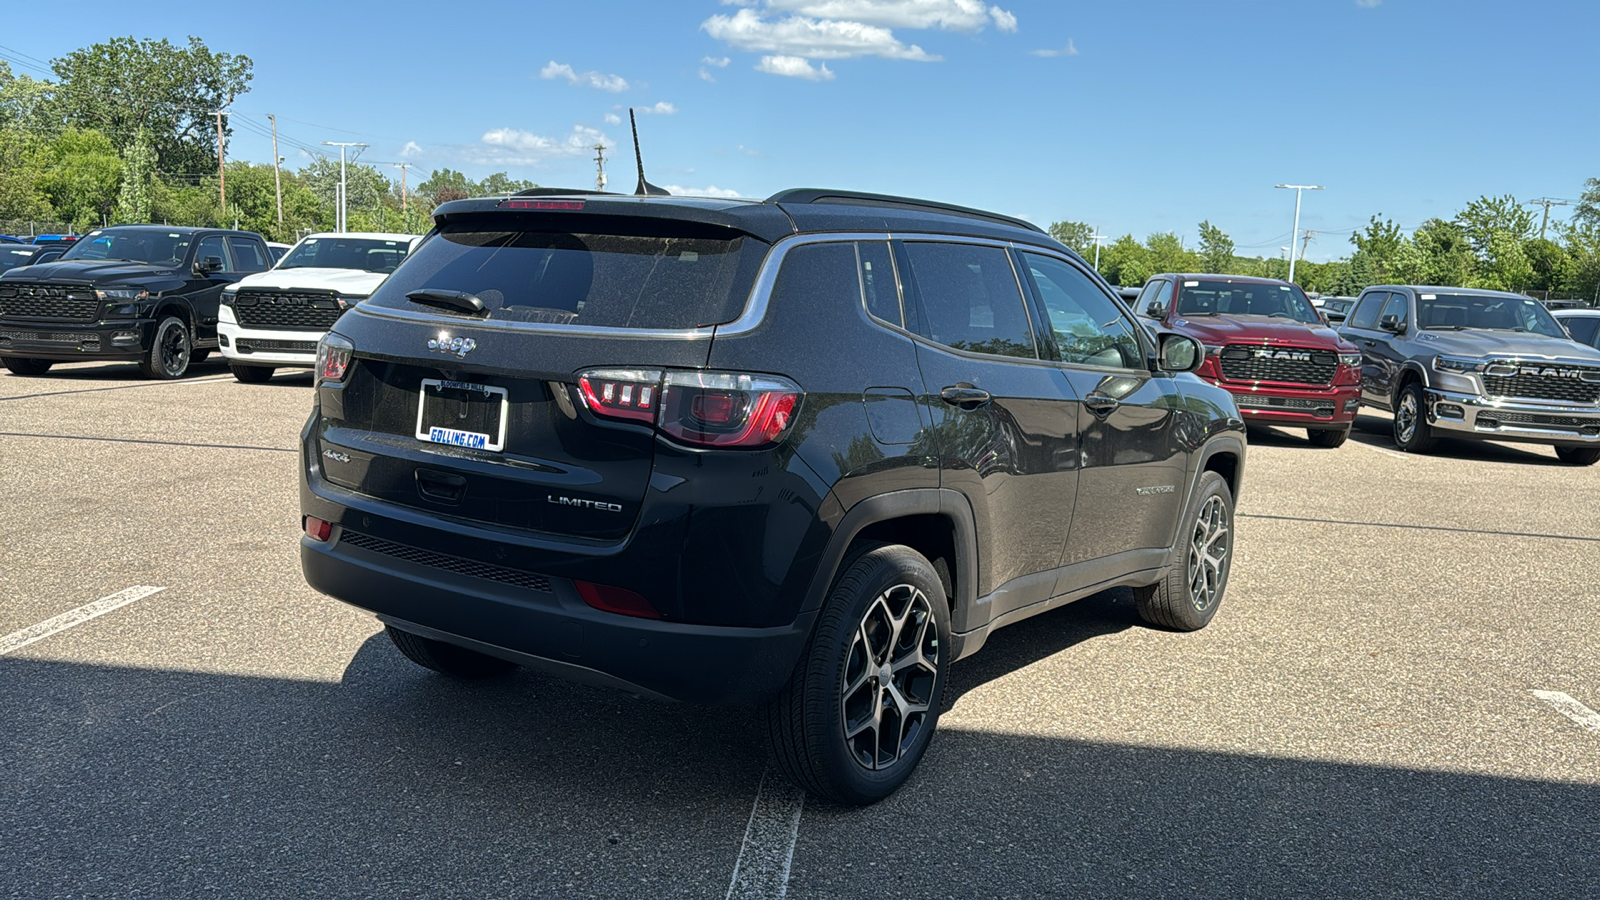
1097	237
1297	189
339	214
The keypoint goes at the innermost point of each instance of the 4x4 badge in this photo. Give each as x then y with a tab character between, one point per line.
444	343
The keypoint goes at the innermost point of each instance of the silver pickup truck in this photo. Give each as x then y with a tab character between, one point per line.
1489	365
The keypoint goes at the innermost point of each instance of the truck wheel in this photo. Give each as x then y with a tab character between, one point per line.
1328	437
1186	598
251	374
862	705
448	658
1412	433
20	366
1578	456
169	350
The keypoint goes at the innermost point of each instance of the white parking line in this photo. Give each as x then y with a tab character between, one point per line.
1395	453
1587	719
19	639
762	870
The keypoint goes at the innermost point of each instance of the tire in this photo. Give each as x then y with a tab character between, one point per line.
171	350
21	366
1412	433
448	659
829	730
1187	597
251	374
1328	438
1578	456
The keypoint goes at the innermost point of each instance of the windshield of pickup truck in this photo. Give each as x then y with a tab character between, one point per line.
366	254
161	248
1455	312
1243	298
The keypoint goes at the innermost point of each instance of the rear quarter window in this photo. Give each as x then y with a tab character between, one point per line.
652	278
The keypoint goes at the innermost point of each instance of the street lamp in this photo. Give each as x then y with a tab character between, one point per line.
1297	188
1097	237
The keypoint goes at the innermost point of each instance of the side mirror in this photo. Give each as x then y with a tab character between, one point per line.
208	265
1392	323
1180	353
1155	310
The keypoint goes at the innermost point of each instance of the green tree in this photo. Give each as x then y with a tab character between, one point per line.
1168	255
1587	210
23	156
1077	235
81	177
27	103
124	85
138	167
1216	249
500	183
1125	261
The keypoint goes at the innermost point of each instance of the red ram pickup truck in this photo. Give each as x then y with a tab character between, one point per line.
1267	346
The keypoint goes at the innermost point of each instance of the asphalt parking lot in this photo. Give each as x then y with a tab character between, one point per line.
1360	720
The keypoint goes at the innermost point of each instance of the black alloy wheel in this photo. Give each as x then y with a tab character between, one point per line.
859	711
22	366
170	350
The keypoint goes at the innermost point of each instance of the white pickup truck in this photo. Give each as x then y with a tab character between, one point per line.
274	319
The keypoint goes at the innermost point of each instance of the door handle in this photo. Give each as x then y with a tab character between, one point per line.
1100	403
964	395
1369	342
441	487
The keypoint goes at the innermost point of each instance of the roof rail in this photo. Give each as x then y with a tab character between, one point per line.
556	192
859	198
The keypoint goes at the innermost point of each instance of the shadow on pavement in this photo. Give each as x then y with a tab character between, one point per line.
1378	431
396	782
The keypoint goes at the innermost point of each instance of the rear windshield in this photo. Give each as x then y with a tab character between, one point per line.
650	280
1240	298
1457	312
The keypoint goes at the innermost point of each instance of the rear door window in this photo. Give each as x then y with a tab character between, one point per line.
1366	314
969	299
247	255
878	284
1583	328
655	277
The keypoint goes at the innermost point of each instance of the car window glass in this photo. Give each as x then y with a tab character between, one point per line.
970	299
1366	314
1395	307
1089	327
1152	293
213	246
1584	329
878	282
815	276
247	255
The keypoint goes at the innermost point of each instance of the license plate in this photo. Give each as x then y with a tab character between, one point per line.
462	414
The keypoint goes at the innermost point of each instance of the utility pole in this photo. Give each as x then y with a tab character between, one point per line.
1097	237
1306	243
1545	202
1297	188
402	167
222	174
277	181
339	213
599	167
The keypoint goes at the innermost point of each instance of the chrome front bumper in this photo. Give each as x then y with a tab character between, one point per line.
1509	420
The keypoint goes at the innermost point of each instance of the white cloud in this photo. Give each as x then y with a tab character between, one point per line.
410	150
511	146
945	15
1368	4
794	67
613	119
720	62
803	38
711	191
660	109
1070	49
598	80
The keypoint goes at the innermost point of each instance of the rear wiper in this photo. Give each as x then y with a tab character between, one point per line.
462	300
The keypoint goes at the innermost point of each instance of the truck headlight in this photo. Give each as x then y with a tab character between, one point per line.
129	307
1352	360
1457	365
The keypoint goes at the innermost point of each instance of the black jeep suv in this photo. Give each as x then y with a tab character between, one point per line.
805	452
145	293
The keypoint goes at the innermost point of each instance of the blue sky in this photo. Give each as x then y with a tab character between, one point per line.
1132	116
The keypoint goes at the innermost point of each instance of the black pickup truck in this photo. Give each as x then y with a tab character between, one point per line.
142	293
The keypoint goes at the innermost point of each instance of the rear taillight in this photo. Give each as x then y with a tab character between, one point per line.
703	409
333	358
610	599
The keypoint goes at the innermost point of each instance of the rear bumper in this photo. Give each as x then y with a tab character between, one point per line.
1318	408
115	340
1468	416
554	631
